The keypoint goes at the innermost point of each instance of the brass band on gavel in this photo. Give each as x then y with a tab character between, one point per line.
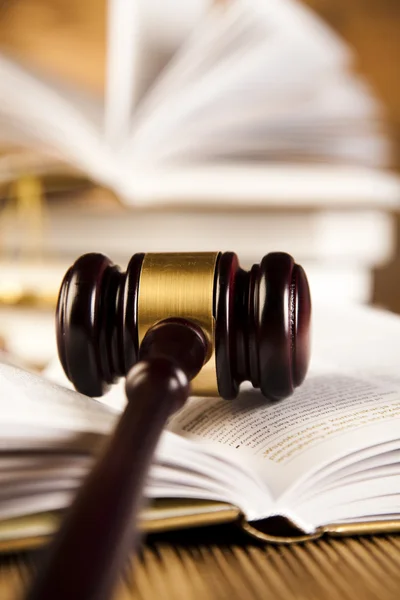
181	285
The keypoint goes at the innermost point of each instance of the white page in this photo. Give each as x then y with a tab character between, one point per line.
44	473
45	418
176	456
355	464
246	184
387	516
47	113
353	491
259	66
27	488
229	30
219	28
335	122
49	501
217	475
11	464
176	483
287	442
338	410
142	36
30	400
123	62
358	510
283	437
384	467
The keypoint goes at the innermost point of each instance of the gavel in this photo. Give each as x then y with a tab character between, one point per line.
173	325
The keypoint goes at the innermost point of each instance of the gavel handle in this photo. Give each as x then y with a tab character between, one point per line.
100	530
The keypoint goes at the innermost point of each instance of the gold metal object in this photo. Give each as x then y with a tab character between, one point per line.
25	209
169	514
181	285
162	514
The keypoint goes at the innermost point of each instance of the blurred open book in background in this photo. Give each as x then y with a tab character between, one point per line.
232	125
253	82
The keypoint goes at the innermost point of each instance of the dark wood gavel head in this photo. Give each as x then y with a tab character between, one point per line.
257	322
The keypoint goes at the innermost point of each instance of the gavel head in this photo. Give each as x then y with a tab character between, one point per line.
257	322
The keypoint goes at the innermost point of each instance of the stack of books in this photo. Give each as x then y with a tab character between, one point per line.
255	135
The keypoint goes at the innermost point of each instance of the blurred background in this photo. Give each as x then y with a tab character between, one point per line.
250	126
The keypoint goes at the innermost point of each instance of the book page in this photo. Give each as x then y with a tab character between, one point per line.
232	92
37	413
350	401
356	466
46	427
123	50
57	117
266	185
330	415
142	38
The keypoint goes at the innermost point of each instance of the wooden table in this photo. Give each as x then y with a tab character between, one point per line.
221	565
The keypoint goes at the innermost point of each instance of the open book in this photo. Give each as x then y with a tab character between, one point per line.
326	459
253	85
